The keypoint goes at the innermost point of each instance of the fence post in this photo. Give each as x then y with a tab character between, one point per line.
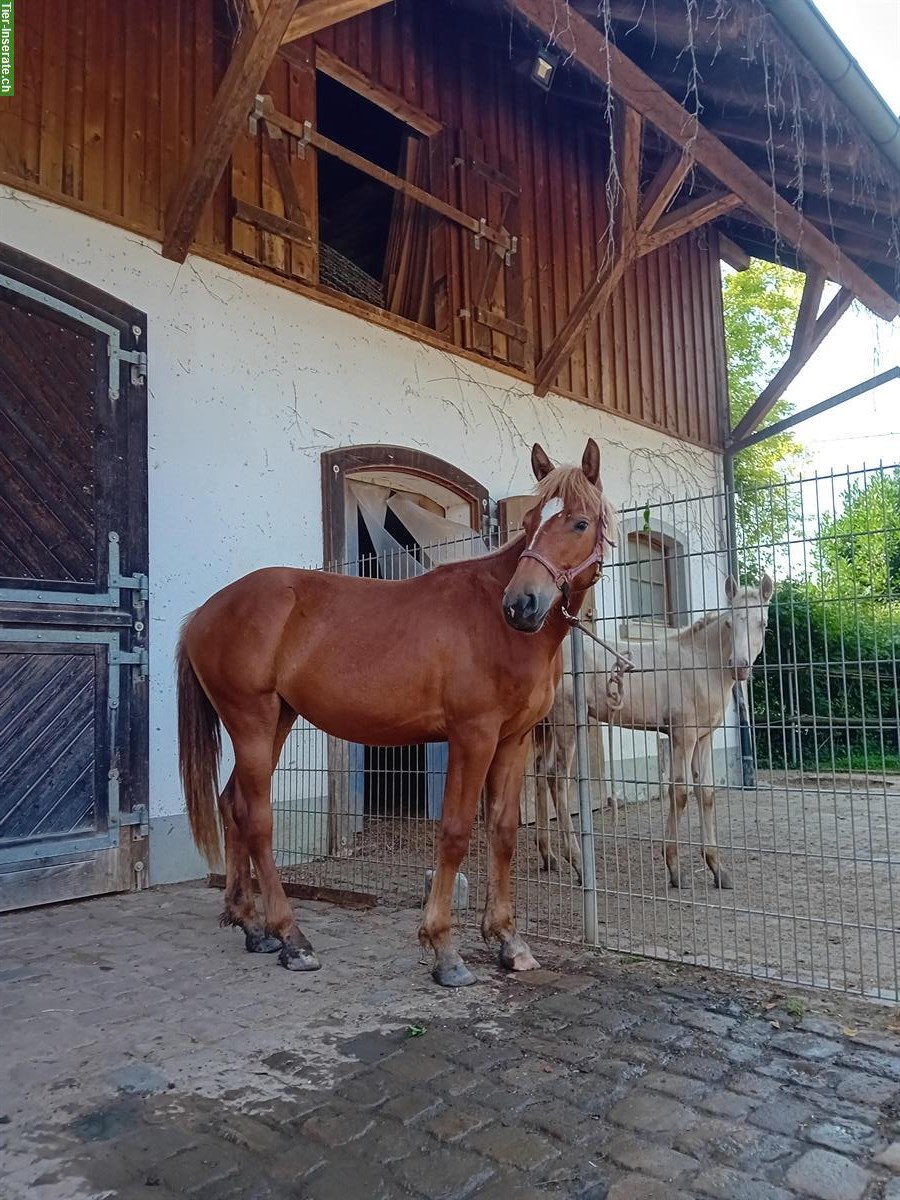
585	792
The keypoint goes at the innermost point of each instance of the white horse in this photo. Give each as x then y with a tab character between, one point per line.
680	686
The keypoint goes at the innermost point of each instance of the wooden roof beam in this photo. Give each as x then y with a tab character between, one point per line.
734	255
314	15
686	218
251	60
796	360
804	329
609	66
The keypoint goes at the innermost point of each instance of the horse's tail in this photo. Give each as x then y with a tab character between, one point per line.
199	747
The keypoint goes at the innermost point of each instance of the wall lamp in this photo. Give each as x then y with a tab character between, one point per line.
544	68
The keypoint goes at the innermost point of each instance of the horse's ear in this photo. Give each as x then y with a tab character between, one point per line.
766	588
590	461
731	587
540	463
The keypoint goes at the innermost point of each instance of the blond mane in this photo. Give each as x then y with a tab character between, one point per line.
575	490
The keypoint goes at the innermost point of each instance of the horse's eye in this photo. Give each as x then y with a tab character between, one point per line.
580	526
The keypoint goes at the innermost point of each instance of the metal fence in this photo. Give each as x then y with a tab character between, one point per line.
804	764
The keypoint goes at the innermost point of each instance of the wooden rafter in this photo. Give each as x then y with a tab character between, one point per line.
804	330
608	65
688	217
314	15
642	226
251	60
664	187
796	360
733	254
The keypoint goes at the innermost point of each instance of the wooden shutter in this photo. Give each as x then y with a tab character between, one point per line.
274	190
489	298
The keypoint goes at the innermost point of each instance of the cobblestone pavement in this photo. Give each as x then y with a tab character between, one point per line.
146	1056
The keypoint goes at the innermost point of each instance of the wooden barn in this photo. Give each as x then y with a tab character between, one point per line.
292	282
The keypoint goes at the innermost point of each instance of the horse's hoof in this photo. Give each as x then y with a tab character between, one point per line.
677	880
515	955
293	958
453	975
549	864
261	943
723	880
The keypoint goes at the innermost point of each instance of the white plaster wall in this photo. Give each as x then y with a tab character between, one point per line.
249	383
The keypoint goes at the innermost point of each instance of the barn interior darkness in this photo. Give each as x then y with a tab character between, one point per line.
355	211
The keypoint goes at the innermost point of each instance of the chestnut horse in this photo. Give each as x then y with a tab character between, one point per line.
444	656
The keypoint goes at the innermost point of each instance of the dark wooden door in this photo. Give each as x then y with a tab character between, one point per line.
73	588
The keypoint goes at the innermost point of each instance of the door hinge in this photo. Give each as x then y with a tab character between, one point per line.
138	360
132	658
138	817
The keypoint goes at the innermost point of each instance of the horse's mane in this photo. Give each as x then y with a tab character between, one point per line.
575	490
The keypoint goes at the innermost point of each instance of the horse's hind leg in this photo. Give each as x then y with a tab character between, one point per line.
543	757
703	789
682	756
560	778
240	907
257	745
504	784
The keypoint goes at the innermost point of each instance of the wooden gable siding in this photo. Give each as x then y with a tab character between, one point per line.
112	97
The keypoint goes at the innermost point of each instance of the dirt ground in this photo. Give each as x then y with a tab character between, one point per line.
816	867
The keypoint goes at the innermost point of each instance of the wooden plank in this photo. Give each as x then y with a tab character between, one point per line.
113	71
512	329
607	64
686	218
664	187
73	140
775	389
313	15
730	252
151	196
313	138
275	250
277	150
329	64
230	109
30	83
307	891
302	105
204	93
632	132
591	302
294	231
811	298
133	114
607	276
53	95
571	218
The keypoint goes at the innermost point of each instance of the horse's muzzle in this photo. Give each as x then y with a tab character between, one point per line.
741	674
525	612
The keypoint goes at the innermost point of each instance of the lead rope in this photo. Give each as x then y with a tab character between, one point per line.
614	692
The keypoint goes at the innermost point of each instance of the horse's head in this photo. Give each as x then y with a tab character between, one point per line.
566	534
747	618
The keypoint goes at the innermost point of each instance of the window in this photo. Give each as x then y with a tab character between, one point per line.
366	229
650	575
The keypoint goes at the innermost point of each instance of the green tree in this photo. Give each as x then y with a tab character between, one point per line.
858	554
760	313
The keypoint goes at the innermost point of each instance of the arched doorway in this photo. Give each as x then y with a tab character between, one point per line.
391	512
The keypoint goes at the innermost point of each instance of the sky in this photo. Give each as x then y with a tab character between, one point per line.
865	430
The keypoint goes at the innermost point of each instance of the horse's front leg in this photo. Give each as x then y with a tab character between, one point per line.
682	744
504	786
470	754
706	796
